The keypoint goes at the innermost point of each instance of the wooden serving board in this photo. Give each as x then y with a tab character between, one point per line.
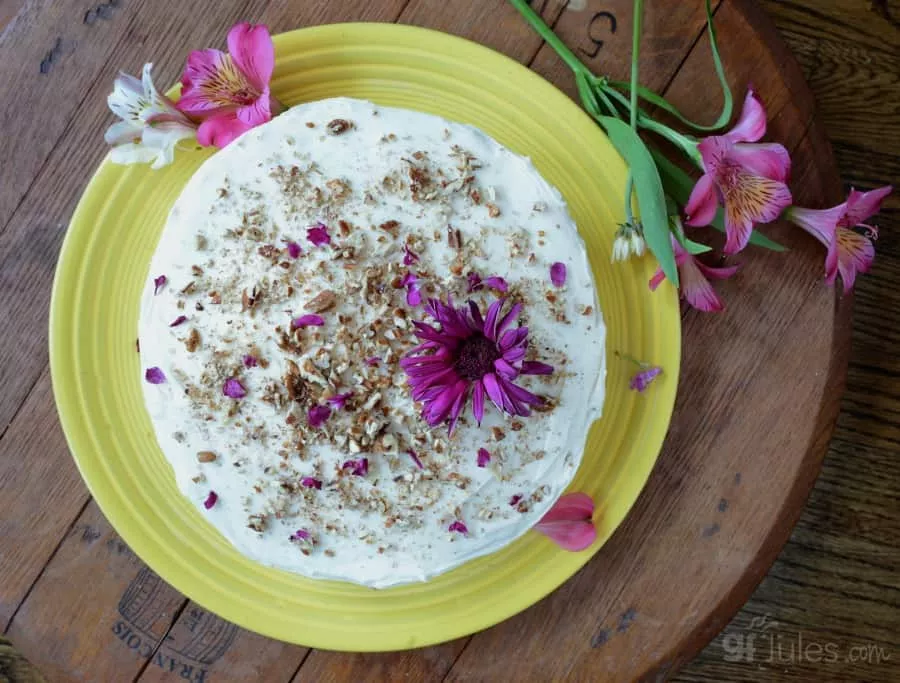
757	399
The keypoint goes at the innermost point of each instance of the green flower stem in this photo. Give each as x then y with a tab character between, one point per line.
633	112
545	32
635	58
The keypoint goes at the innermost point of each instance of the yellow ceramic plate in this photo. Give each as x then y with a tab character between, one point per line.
97	373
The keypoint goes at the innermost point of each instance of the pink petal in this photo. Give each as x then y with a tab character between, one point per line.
514	500
769	160
221	130
233	388
308	320
644	378
570	507
415	459
657	279
459	527
712	150
568	523
697	290
558	274
311	483
716	273
339	400
409	256
250	361
358	467
316	416
751	199
178	321
210	500
855	255
571	535
318	234
751	126
820	223
154	376
413	295
863	205
257	112
294	250
158	284
253	52
702	204
373	361
299	535
203	91
484	457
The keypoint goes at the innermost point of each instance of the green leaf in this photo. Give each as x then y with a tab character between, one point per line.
649	189
728	100
679	184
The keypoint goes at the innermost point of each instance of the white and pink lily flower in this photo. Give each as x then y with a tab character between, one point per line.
844	232
695	278
748	180
228	93
150	126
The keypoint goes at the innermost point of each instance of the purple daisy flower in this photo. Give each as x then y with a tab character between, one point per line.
470	352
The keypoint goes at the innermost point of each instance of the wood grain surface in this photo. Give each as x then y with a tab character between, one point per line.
759	393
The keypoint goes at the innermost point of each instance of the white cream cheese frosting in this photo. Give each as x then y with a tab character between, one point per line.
335	493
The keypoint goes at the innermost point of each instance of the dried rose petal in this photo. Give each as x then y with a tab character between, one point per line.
359	467
484	457
318	234
558	274
299	535
643	379
316	416
373	361
339	400
515	500
409	256
415	459
458	526
308	320
154	375
413	295
233	388
493	282
250	361
210	500
159	283
533	367
311	483
294	250
180	319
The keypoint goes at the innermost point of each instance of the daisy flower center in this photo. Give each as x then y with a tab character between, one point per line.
475	357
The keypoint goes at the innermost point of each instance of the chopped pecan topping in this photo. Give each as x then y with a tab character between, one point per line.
322	302
206	456
192	343
493	210
390	227
454	237
339	126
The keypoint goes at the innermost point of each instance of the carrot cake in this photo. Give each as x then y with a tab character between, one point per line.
371	344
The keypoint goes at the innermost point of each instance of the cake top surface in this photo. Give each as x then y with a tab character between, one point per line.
299	264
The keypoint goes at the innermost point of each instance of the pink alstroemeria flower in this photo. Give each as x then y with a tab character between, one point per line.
568	523
229	92
849	252
749	180
695	276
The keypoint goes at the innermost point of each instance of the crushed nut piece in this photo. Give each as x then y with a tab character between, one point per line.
339	126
